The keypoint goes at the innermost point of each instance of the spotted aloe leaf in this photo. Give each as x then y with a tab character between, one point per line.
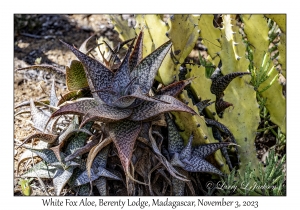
224	129
124	135
175	142
175	88
75	76
76	137
94	152
196	164
189	158
97	170
27	154
63	164
203	151
186	152
119	85
53	96
72	126
127	101
147	69
106	113
79	140
65	168
203	104
48	138
46	154
39	118
175	146
101	186
83	178
123	99
36	103
122	76
79	107
194	161
63	173
59	73
221	105
219	84
151	109
86	148
76	146
61	178
99	76
41	170
137	53
217	136
85	190
221	127
179	185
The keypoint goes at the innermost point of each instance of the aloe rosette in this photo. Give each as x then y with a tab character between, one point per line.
121	96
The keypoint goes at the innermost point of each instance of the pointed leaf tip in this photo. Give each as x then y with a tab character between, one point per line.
151	109
147	69
79	107
187	151
124	135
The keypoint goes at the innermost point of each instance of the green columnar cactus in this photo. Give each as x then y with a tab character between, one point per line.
238	92
256	30
210	36
282	53
244	119
276	102
280	20
122	27
184	34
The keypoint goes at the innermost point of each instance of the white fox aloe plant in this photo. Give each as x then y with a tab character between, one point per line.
121	98
117	94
